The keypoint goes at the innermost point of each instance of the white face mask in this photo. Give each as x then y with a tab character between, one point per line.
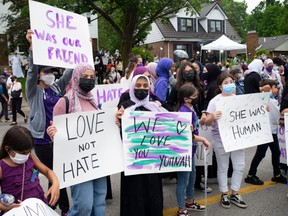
48	79
19	158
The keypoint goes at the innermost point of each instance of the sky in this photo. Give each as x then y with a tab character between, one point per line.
251	4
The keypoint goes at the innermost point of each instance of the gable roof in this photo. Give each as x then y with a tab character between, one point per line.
271	43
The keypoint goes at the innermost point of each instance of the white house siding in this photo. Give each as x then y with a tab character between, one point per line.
174	22
154	35
203	23
216	14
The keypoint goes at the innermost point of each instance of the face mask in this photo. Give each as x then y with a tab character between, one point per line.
271	95
48	79
86	84
19	158
229	88
190	76
269	68
276	68
141	94
112	71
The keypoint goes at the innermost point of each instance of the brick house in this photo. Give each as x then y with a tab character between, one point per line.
190	31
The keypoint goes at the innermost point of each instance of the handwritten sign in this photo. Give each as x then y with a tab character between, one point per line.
87	146
30	207
199	155
282	145
61	38
245	121
109	95
286	137
156	142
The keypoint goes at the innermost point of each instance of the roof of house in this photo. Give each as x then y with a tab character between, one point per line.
271	43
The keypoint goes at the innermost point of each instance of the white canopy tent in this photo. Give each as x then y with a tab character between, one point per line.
223	44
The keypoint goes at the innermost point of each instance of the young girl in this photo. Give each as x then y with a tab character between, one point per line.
226	85
141	195
19	170
185	180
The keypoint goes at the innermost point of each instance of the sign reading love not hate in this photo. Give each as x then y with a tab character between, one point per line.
87	146
245	121
156	142
61	38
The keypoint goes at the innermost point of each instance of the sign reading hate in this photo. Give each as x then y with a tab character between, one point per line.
87	146
245	121
156	142
61	38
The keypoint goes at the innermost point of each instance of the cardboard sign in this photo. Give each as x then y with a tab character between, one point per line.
282	145
31	207
199	155
282	150
87	146
155	142
61	38
245	121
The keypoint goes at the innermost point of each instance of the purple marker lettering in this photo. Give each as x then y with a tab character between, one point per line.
68	22
84	58
50	49
60	20
39	35
58	54
50	19
77	43
77	58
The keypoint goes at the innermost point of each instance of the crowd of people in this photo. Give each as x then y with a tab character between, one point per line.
183	86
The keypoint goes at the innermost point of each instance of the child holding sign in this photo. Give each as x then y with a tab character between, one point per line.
19	170
185	180
227	87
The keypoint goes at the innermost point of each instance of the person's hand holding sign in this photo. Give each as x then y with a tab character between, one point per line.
29	37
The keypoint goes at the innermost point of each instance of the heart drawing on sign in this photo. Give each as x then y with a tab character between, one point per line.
180	127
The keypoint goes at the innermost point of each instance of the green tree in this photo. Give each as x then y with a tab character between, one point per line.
130	19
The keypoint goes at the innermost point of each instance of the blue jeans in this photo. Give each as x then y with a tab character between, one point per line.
89	198
185	185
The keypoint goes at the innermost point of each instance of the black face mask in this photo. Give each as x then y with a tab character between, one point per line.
86	84
140	94
189	76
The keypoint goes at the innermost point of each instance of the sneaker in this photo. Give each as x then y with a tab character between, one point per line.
253	179
225	202
280	179
183	213
202	188
237	200
13	123
195	206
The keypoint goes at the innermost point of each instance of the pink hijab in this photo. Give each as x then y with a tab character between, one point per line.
153	76
74	92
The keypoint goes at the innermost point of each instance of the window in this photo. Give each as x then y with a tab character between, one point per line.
186	24
216	26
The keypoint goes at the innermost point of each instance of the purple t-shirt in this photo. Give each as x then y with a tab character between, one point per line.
195	124
50	99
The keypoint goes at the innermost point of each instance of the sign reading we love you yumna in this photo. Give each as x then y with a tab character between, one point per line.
61	38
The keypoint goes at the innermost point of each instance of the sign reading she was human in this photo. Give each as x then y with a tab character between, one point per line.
245	121
31	207
155	142
61	38
87	146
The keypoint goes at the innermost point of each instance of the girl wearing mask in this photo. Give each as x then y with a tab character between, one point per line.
141	195
226	86
88	197
42	95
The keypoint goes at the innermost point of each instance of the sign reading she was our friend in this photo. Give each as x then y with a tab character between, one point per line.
282	144
61	38
87	146
245	121
155	142
286	135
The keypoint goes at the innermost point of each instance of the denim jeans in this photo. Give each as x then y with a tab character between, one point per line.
185	185
89	198
238	162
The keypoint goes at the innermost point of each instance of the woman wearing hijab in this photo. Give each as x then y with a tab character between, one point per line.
153	76
88	197
141	195
252	76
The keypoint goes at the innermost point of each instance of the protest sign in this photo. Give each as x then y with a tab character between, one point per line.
245	121
282	145
156	142
286	136
87	146
30	207
199	155
61	38
108	95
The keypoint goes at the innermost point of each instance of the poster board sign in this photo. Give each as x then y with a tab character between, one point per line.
155	142
61	38
30	207
286	135
87	146
245	121
199	155
282	145
109	95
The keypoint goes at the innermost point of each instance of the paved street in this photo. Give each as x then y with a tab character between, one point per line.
267	200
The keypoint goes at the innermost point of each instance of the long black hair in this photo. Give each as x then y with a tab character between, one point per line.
185	91
17	138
